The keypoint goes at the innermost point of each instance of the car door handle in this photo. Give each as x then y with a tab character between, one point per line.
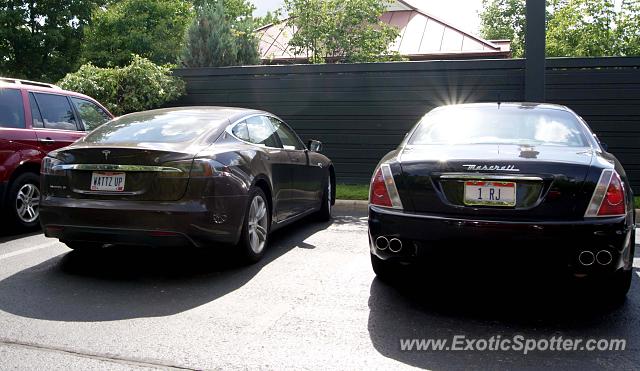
295	159
46	140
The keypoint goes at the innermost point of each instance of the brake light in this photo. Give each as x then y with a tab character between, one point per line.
197	168
608	198
50	166
383	191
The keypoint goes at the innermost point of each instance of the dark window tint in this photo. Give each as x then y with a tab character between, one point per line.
36	117
505	125
11	109
262	132
240	131
56	112
288	138
91	115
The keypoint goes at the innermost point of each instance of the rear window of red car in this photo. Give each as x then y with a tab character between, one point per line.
11	109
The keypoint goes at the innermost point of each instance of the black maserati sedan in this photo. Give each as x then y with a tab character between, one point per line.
190	176
504	177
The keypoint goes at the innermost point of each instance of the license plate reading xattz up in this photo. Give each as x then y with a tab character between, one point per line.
107	181
489	193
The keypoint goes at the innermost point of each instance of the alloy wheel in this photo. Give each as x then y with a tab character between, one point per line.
258	220
28	203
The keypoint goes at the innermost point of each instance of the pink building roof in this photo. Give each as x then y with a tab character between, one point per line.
422	36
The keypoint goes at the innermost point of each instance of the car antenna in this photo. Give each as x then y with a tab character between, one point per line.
499	100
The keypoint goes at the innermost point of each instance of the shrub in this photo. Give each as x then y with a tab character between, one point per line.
140	86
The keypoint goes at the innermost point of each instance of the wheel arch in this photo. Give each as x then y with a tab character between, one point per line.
25	167
262	182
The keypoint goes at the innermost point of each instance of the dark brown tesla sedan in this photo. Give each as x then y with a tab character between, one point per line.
191	176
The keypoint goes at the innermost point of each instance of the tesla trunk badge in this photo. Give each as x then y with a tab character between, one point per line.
106	154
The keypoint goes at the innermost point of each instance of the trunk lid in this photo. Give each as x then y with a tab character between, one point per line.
548	179
148	174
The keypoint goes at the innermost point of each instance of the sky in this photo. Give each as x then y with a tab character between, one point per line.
460	13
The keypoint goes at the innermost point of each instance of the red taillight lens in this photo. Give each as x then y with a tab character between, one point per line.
613	202
383	189
378	193
608	198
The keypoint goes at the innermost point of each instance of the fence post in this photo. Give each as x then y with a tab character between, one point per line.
535	51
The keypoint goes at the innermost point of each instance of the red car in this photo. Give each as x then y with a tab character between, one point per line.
36	118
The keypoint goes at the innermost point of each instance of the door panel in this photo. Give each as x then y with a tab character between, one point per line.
306	179
259	131
278	160
54	121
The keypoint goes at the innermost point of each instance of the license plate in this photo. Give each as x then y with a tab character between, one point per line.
489	193
107	181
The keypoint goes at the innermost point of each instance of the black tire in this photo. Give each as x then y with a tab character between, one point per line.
324	214
23	218
248	254
384	269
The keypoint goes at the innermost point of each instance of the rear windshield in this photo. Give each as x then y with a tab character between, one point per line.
11	109
161	127
507	125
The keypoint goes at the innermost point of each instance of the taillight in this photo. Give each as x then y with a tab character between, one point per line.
198	168
50	166
608	198
383	191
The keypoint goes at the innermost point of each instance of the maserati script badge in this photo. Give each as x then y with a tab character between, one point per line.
491	167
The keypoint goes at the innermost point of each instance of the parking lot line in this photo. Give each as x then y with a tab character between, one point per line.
27	250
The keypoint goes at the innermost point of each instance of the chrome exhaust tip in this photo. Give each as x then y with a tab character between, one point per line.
395	245
382	243
604	257
586	258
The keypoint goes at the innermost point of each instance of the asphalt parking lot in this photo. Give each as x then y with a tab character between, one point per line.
312	303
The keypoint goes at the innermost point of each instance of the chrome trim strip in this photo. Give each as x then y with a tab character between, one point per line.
111	167
488	177
107	193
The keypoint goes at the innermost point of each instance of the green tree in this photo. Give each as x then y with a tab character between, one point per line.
271	17
139	86
504	19
341	30
153	29
627	33
234	10
575	28
41	40
581	28
215	39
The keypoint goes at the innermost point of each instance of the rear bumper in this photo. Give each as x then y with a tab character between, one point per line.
190	223
449	242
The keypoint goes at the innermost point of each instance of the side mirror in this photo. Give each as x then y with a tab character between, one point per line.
314	145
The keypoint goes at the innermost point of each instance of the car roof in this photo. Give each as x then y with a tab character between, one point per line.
224	113
41	87
527	105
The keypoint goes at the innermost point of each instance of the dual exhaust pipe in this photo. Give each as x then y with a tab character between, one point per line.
393	244
602	257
